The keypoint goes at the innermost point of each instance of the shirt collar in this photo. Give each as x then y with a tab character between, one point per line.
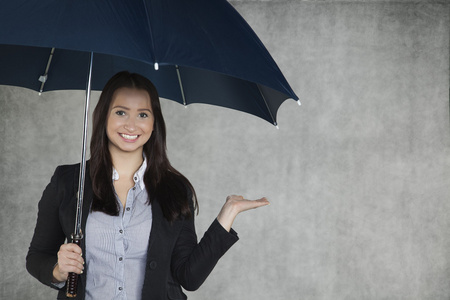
138	177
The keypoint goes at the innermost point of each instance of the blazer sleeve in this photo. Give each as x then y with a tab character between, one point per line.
48	234
192	262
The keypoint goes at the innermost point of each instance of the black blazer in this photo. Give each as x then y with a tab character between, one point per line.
174	258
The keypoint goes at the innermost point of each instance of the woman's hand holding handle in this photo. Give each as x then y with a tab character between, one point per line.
69	260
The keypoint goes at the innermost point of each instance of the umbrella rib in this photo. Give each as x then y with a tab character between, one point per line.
267	106
156	66
181	85
43	78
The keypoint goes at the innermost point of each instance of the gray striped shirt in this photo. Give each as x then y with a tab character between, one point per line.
116	246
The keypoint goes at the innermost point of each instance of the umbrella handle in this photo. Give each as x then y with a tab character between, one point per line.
72	279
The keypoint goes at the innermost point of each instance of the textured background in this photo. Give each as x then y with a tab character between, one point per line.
358	176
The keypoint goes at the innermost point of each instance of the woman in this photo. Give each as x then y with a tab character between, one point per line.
138	211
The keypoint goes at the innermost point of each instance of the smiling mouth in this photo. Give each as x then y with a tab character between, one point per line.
128	137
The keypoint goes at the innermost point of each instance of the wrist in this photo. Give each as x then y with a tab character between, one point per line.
57	278
226	218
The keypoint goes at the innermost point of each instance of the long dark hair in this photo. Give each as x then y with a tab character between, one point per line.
163	182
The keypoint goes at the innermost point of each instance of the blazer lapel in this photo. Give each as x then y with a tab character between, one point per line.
87	199
157	219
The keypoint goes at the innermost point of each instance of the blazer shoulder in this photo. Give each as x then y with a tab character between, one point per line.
70	169
65	169
68	174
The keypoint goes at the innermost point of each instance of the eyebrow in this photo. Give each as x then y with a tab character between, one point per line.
126	108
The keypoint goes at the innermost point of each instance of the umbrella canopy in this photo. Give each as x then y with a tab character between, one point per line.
199	51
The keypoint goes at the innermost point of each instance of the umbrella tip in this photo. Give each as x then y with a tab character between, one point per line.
156	66
299	103
276	125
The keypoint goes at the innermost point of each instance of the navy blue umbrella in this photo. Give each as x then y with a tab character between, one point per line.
197	51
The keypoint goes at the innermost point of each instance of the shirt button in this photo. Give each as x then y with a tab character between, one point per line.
120	288
128	209
135	178
120	258
121	231
134	188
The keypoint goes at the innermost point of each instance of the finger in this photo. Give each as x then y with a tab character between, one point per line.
65	269
250	204
262	201
72	248
66	257
70	255
257	203
234	197
74	257
67	264
78	269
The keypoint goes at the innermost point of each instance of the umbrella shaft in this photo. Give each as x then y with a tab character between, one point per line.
72	280
77	231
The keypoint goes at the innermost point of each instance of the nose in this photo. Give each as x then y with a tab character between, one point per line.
130	125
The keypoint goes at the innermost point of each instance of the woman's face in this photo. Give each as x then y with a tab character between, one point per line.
130	120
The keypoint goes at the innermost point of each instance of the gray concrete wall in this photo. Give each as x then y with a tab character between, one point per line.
358	176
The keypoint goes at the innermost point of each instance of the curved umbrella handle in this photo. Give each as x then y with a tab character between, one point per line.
72	279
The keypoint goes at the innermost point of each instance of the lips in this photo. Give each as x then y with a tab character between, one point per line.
128	137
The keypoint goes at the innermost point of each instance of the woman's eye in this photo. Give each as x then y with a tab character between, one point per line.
120	113
143	115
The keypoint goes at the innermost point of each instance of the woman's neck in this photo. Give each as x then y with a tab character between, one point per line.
126	164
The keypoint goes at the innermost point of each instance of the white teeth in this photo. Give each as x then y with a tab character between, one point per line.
128	137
